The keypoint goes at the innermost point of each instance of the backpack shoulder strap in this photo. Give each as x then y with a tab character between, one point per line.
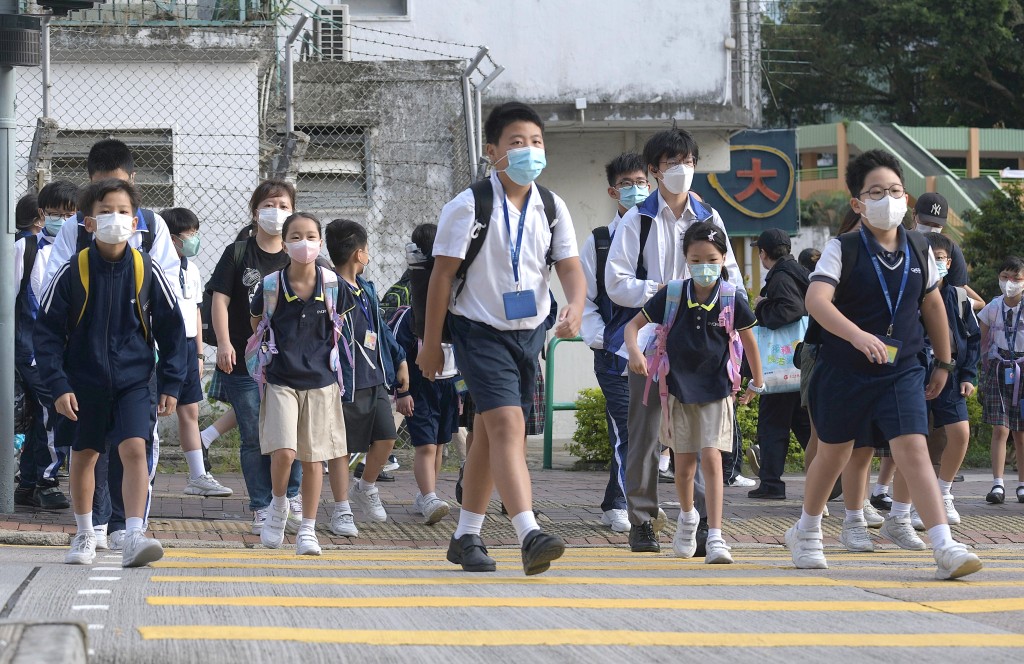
849	244
727	294
602	243
548	198
483	197
29	261
961	300
919	247
143	270
673	297
271	292
330	280
240	251
147	238
645	232
701	210
83	276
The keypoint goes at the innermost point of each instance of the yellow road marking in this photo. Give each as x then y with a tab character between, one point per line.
578	637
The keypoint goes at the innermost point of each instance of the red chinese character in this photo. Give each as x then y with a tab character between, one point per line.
756	175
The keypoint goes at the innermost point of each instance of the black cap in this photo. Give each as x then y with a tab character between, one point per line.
932	208
773	238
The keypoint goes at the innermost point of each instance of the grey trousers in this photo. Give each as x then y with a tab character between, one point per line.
644	426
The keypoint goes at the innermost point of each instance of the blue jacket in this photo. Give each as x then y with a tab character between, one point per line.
965	337
389	352
107	350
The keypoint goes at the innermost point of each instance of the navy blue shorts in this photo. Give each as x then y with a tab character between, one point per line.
368	418
950	406
849	406
192	388
104	420
499	367
435	415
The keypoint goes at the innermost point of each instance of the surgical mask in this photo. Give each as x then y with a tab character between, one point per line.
633	195
114	228
525	164
677	179
940	269
705	274
925	228
885	214
1011	288
53	223
190	246
303	251
271	220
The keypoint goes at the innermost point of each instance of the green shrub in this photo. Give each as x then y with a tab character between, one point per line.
590	440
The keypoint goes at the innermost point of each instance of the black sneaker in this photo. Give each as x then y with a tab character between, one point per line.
643	540
26	496
539	549
762	493
702	539
470	552
458	485
996	496
52	498
881	502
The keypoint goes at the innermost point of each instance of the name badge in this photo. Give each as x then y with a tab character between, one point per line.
892	348
370	341
1008	375
520	304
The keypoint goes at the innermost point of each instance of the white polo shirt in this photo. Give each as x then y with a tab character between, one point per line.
490	275
191	285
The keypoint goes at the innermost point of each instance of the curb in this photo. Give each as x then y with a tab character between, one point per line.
44	643
34	538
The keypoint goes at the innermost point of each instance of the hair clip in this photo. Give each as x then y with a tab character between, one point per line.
711	236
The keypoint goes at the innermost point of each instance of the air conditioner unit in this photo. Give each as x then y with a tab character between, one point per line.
331	32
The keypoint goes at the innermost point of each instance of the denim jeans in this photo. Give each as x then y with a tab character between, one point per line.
244	396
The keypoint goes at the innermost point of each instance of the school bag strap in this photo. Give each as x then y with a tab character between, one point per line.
142	270
657	362
727	320
330	281
602	244
262	345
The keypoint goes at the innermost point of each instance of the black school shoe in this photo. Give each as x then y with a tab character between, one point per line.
642	539
702	539
996	496
26	496
881	502
382	476
52	498
539	549
765	494
470	552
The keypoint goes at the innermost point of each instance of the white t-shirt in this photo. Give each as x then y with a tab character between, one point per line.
994	316
490	275
191	286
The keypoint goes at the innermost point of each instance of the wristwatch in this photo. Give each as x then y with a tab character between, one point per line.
948	366
756	389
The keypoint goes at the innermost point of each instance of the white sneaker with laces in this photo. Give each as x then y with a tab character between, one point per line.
897	529
739	480
806	548
952	516
343	524
871	515
82	551
101	538
617	520
207	486
368	501
306	544
685	541
955	561
718	553
915	520
855	537
116	540
259	517
433	510
272	535
140	550
391	465
294	515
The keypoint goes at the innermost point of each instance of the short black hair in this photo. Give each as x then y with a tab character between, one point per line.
26	212
59	194
295	216
627	162
778	251
938	241
809	258
1012	264
180	220
505	114
668	144
344	238
93	193
423	237
110	155
707	231
859	167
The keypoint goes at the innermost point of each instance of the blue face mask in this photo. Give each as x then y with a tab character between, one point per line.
940	269
53	224
633	195
525	164
705	274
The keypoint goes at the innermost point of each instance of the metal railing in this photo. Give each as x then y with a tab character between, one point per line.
825	173
550	406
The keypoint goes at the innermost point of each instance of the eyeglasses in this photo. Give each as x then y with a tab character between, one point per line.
689	161
877	193
622	184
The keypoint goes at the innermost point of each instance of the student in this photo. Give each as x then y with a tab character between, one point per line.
234	285
930	214
868	375
26	216
700	418
184	228
41	456
94	345
495	317
627	186
431	408
809	259
378	365
640	262
1002	349
301	416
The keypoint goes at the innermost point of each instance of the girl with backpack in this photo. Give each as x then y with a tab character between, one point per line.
704	327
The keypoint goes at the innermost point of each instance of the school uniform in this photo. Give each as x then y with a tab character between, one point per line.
191	285
1002	350
850	397
495	349
435	403
950	406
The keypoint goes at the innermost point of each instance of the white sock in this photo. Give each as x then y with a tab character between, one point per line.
524	523
854	516
84	522
997	481
689	518
663	462
308	524
100	530
362	485
880	489
470	523
196	469
430	496
715	534
809	522
208	435
945	487
940	536
342	507
132	523
900	509
279	502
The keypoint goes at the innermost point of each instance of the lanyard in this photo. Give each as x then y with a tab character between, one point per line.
1011	342
881	279
515	249
358	294
181	274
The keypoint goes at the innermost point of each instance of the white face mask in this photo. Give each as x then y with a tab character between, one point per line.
114	228
885	214
677	179
1011	288
925	228
271	220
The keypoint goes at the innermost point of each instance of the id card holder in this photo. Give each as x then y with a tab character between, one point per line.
1008	375
892	349
370	340
520	304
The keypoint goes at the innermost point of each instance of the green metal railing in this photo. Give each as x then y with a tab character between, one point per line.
823	173
549	398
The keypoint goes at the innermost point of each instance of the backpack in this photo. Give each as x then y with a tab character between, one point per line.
206	306
143	270
262	345
148	216
395	297
602	243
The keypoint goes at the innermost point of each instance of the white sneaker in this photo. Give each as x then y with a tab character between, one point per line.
433	510
206	485
915	520
806	548
294	515
259	517
368	501
739	480
140	550
101	538
899	531
952	516
855	537
659	522
718	553
954	561
116	540
391	465
272	534
824	512
685	541
306	544
82	551
871	515
617	520
343	524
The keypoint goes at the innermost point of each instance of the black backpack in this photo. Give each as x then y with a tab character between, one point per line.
396	296
206	306
85	237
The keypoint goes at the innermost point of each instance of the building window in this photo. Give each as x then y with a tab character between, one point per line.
387	9
153	150
332	177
